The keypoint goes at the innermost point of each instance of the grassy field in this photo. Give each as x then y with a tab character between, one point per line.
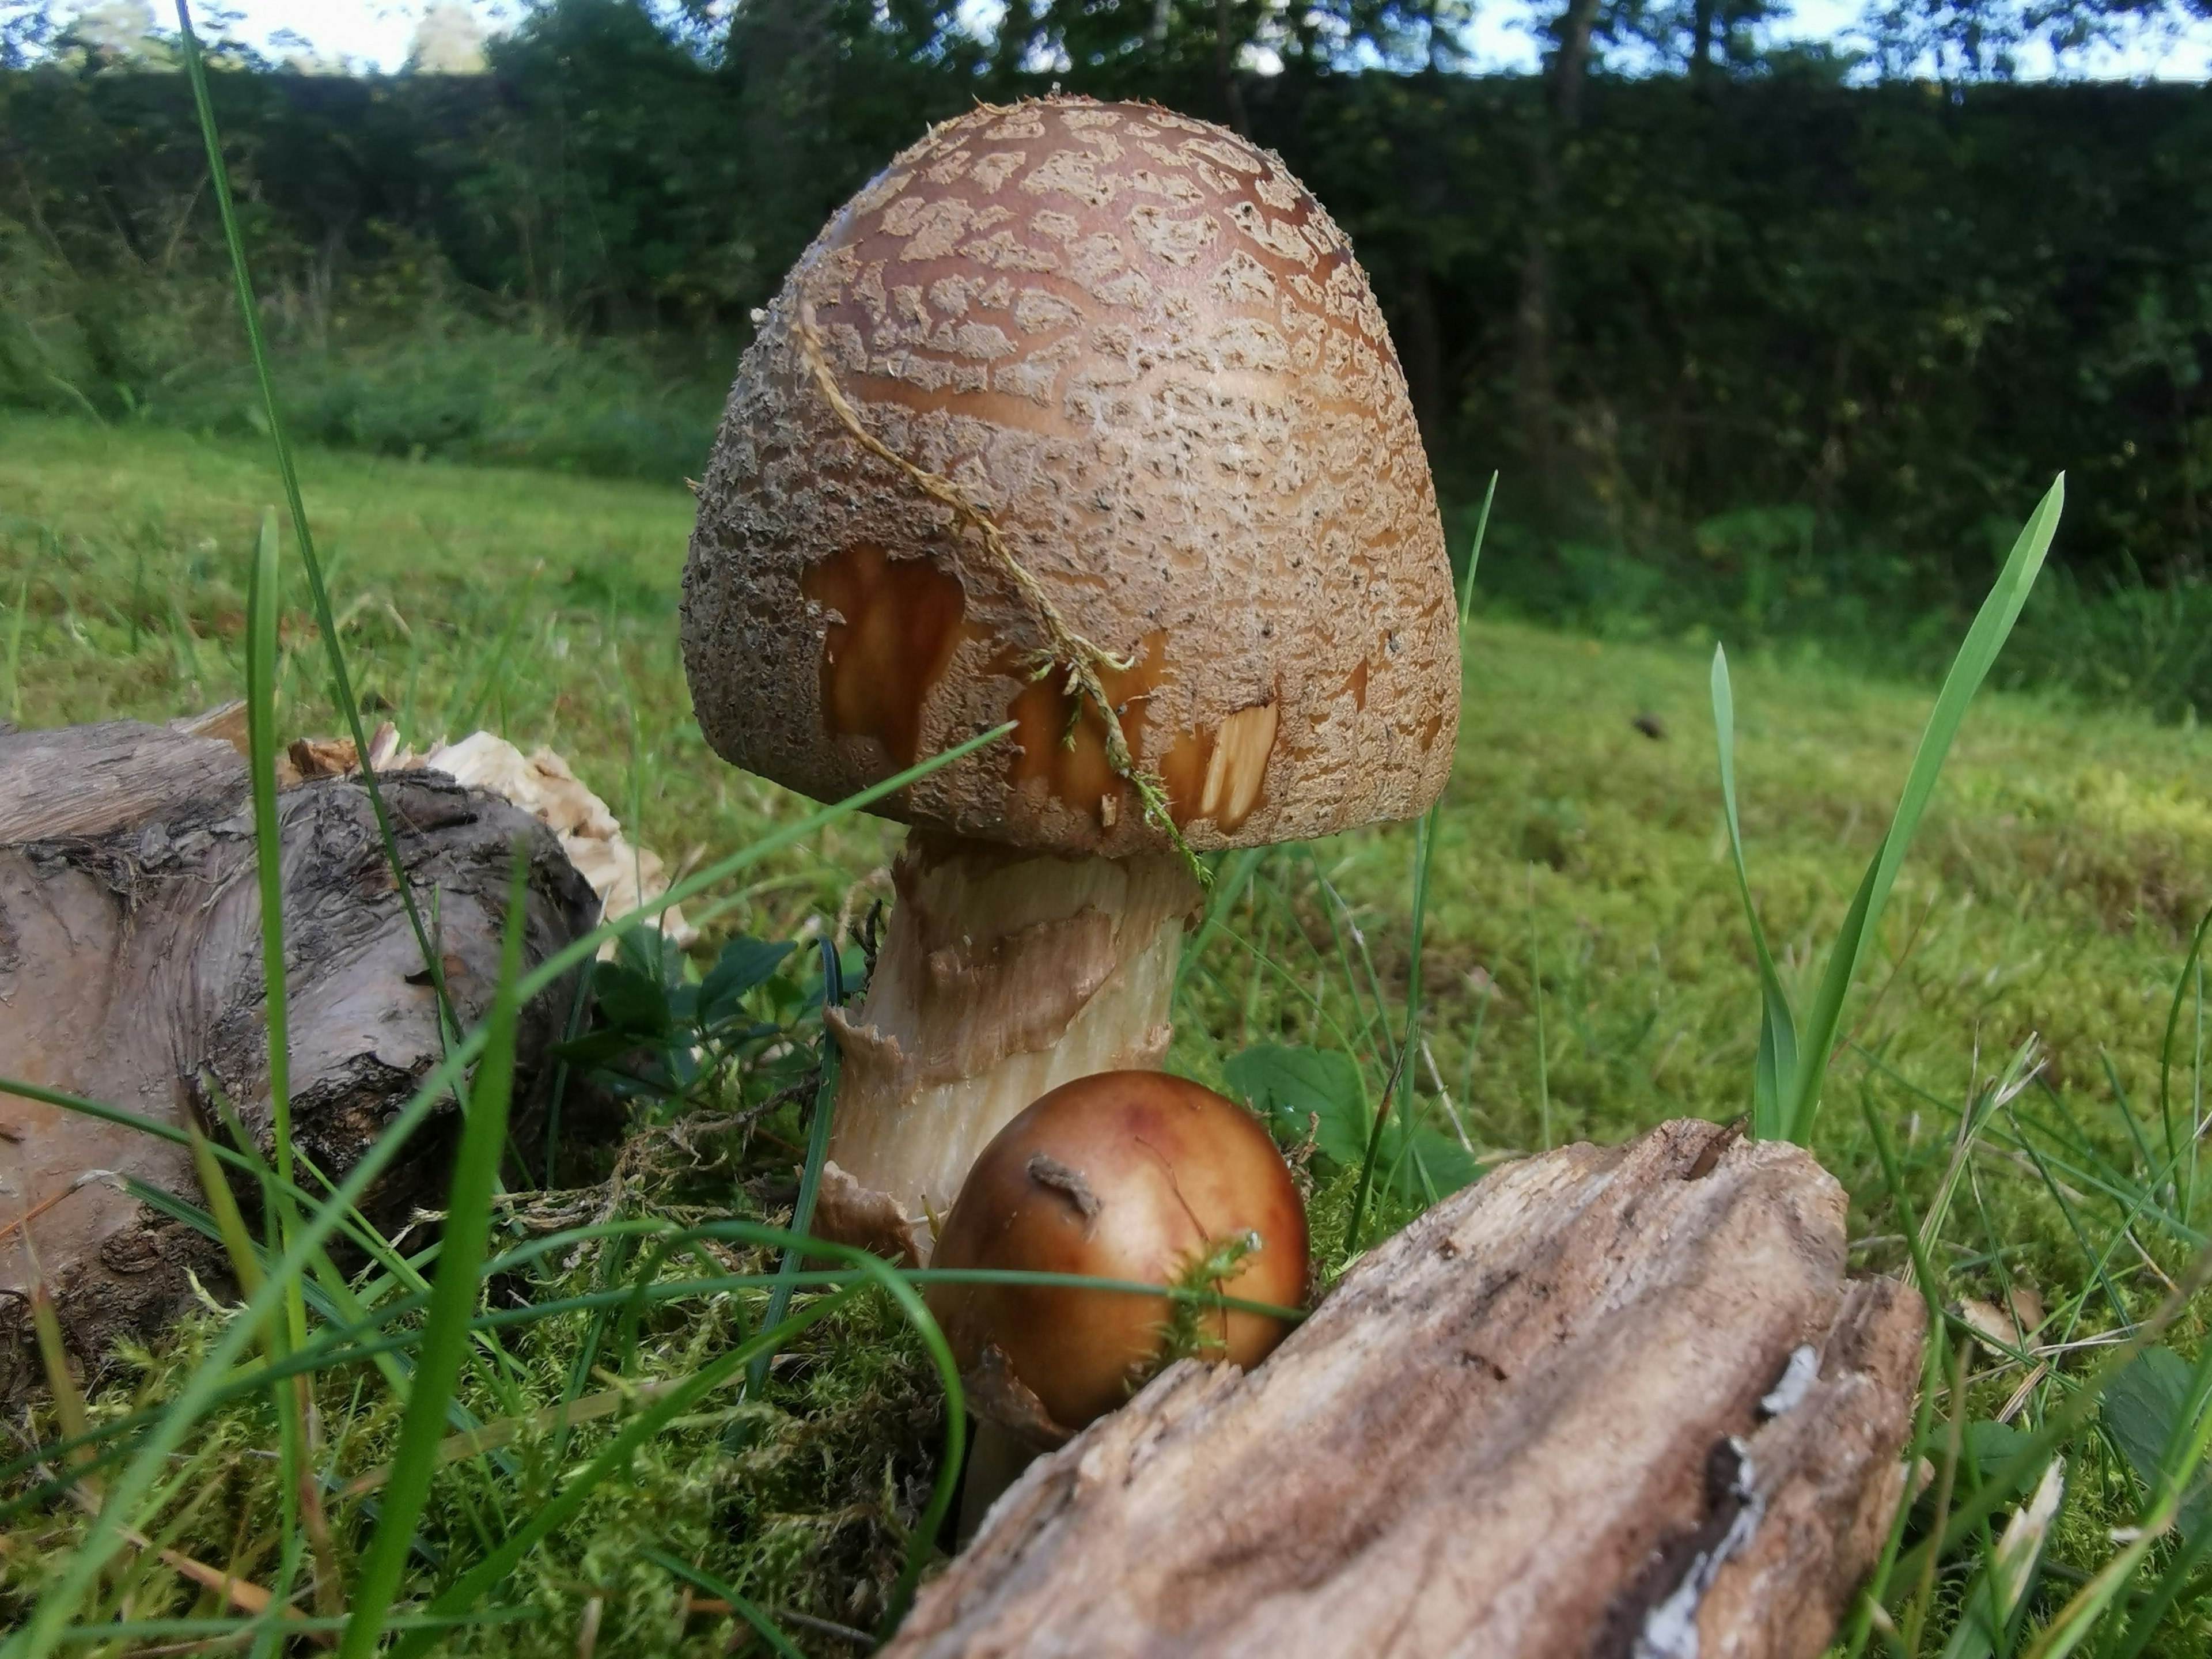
1586	970
2067	855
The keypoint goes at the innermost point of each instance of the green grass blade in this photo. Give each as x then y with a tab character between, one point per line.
1992	625
818	1153
1778	1022
1932	1361
1474	558
317	590
2175	1582
263	607
2019	1471
230	1225
350	1340
446	1334
1229	884
762	1624
1400	1095
213	1633
2181	984
1536	1003
612	1461
123	1118
616	1455
15	685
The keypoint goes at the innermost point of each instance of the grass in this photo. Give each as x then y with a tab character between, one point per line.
2062	861
2057	874
2077	1212
396	359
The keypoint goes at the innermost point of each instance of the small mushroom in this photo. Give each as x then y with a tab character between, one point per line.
1135	1175
1080	416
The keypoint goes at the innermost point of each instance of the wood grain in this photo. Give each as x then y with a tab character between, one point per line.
130	974
87	779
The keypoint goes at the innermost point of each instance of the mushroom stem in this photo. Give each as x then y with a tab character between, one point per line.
1003	974
997	1457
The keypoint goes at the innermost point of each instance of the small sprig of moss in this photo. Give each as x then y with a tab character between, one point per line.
1187	1334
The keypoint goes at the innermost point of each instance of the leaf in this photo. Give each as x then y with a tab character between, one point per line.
1991	626
742	964
1988	1446
651	954
1448	1166
1777	1024
2143	1409
1291	1086
631	1002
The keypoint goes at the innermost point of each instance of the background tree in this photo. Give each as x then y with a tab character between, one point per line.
1730	321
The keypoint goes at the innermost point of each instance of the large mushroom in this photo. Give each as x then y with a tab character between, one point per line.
1081	416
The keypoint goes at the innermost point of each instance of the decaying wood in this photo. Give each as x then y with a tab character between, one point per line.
1617	1403
87	779
130	974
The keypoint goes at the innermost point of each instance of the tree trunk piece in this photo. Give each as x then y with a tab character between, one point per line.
130	974
1612	1401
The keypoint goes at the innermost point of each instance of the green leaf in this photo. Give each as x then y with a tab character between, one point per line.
2143	1409
1777	1024
631	1002
1988	1446
1290	1087
1448	1166
446	1330
742	964
1992	626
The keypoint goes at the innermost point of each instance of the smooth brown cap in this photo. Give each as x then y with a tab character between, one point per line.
1139	345
1131	1176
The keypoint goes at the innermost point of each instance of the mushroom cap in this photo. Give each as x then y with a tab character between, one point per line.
1121	1174
1135	344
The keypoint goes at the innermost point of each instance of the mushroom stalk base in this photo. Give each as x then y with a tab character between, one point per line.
997	1457
1003	974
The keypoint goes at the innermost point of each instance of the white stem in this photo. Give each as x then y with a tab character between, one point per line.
1002	975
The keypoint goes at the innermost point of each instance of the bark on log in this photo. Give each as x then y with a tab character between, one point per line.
87	779
130	974
1619	1402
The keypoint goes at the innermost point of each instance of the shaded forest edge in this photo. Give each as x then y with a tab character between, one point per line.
1802	354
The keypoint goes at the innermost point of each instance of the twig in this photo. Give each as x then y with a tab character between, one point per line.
1065	650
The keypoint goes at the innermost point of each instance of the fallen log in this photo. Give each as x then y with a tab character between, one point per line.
1619	1402
130	974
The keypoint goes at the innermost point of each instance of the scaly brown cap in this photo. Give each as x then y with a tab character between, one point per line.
1113	365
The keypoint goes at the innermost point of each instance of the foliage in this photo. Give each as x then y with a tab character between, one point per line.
1803	326
1319	1095
663	1032
1792	1067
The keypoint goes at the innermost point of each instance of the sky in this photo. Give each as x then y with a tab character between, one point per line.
375	33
